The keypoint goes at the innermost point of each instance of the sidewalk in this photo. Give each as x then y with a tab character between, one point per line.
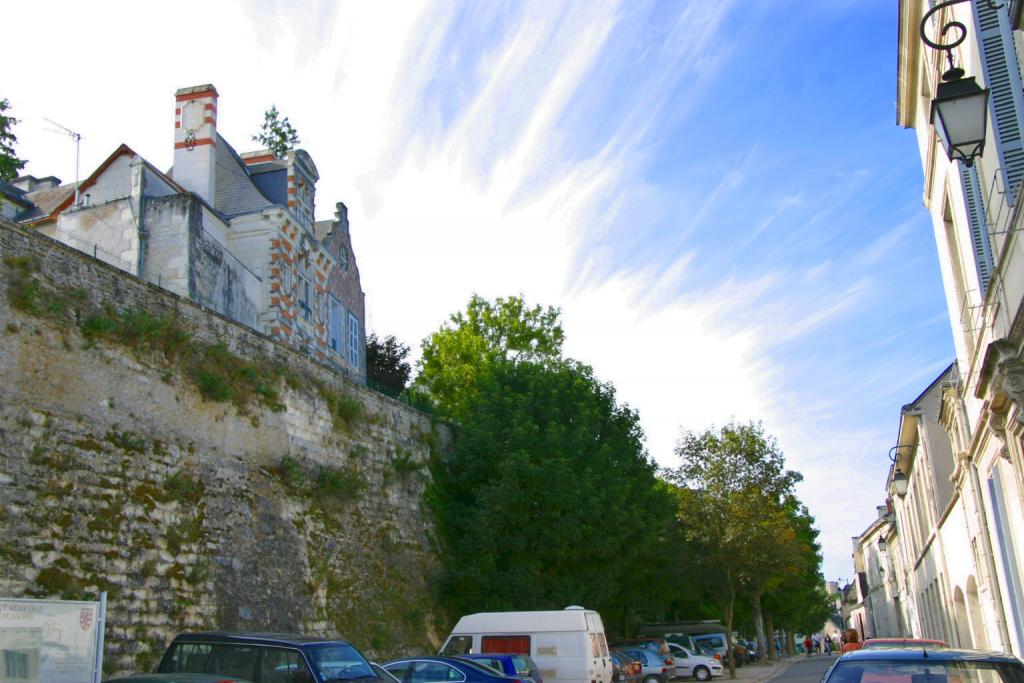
761	671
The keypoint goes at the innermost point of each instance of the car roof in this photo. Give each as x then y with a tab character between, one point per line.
904	640
449	659
913	655
293	639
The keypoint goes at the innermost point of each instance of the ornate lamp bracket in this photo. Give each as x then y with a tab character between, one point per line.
948	44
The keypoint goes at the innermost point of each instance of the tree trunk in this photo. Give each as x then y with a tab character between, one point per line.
755	604
729	650
790	644
770	628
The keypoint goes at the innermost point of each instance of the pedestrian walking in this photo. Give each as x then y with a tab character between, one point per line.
852	641
778	647
808	644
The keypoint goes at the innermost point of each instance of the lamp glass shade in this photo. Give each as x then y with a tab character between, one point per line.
960	117
900	483
882	545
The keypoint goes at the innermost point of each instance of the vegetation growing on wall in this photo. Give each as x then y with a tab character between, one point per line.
217	373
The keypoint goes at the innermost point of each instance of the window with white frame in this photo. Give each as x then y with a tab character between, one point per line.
353	340
336	325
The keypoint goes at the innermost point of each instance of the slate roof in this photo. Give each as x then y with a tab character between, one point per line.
235	192
47	201
14	194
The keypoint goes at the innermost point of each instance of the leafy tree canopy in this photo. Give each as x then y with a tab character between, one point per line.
10	164
548	497
386	362
733	487
472	341
277	134
737	458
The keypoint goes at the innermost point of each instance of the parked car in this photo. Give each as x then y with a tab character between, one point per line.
516	665
618	669
568	645
635	668
655	669
383	674
690	664
924	666
706	650
902	644
632	668
717	642
441	669
657	645
276	658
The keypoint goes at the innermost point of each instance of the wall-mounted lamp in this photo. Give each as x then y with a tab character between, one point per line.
960	108
900	482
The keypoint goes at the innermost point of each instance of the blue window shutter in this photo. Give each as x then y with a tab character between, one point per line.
1003	79
976	220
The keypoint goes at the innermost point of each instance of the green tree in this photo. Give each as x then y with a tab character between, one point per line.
798	601
277	134
548	497
732	488
475	340
10	164
386	363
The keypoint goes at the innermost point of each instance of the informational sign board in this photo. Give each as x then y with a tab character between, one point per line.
51	641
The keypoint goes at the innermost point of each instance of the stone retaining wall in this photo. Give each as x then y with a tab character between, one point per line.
117	475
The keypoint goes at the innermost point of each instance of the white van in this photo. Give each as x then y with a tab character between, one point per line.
568	646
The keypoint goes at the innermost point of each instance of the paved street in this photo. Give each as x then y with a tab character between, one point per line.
802	670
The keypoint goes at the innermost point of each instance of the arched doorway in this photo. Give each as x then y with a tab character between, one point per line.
978	630
963	626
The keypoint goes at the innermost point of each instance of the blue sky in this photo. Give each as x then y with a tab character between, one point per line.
715	193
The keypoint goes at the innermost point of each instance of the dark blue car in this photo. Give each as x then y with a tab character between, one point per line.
436	669
925	666
517	666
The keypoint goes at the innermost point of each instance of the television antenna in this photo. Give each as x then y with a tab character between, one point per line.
77	137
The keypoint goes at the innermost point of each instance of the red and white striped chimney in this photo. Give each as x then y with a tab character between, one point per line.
195	140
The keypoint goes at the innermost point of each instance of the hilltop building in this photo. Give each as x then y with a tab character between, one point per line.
233	232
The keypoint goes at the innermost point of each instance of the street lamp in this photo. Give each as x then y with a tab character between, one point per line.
960	108
900	482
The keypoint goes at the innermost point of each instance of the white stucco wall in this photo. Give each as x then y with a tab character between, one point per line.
107	231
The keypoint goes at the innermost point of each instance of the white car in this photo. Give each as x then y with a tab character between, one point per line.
689	664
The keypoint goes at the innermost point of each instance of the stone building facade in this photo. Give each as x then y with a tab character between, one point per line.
233	232
960	524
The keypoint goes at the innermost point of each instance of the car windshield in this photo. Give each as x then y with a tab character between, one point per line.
337	662
923	671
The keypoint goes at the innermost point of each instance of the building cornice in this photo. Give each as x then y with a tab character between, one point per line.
908	52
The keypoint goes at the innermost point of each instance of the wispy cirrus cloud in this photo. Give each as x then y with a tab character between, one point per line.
725	225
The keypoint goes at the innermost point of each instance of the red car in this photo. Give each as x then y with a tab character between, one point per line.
903	644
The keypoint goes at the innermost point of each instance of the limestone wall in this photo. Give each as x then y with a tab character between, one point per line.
303	512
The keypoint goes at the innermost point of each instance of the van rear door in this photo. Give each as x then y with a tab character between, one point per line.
598	659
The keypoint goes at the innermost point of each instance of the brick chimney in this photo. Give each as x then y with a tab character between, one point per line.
195	140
